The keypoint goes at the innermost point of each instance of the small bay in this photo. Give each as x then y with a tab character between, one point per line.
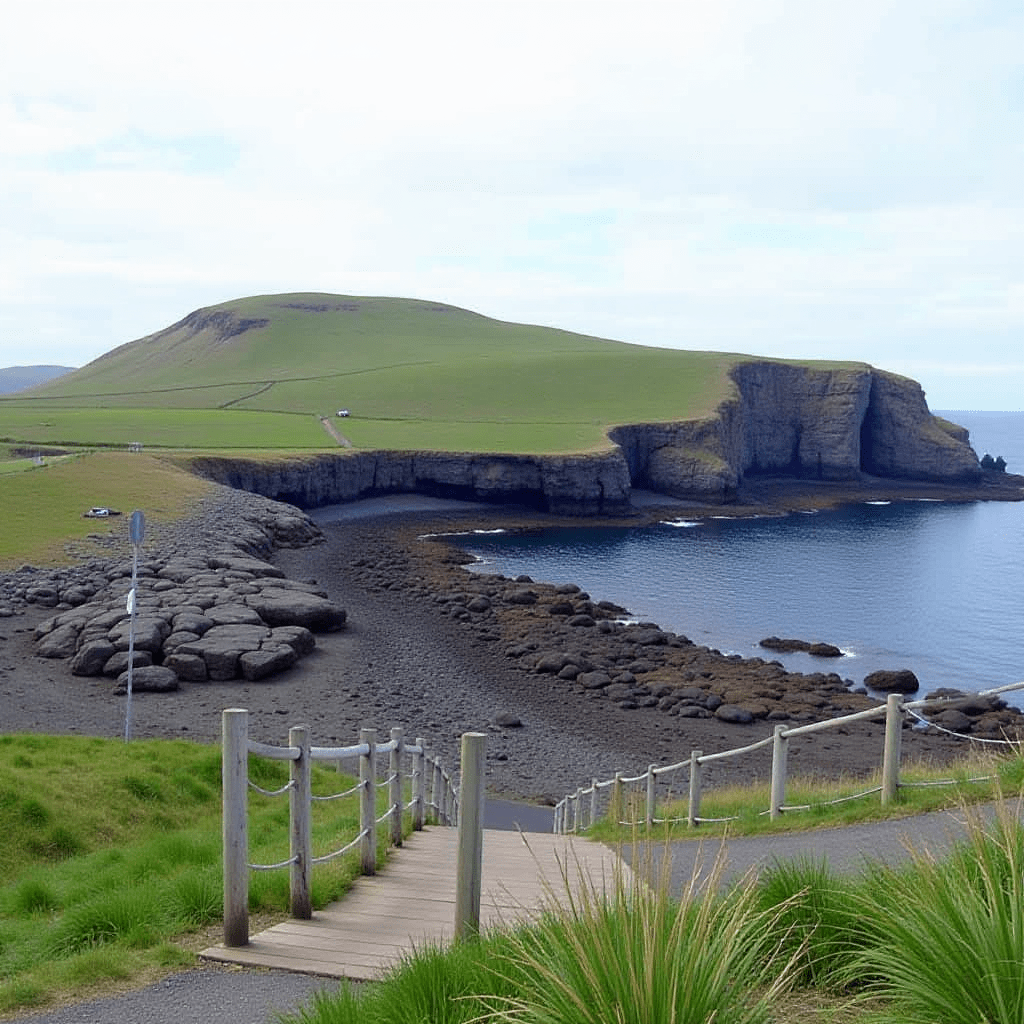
936	587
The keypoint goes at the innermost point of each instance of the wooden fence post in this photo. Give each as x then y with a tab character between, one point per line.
615	800
368	801
893	743
693	808
436	783
780	749
419	784
299	798
235	824
395	787
469	864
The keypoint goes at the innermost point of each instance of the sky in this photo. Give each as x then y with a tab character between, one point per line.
810	179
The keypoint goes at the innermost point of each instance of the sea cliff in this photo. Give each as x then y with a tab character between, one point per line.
781	420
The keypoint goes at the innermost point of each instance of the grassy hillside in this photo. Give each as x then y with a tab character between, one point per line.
413	374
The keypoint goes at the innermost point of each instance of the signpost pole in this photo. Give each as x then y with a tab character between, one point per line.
136	532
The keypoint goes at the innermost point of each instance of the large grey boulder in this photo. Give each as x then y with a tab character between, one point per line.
892	681
281	607
149	679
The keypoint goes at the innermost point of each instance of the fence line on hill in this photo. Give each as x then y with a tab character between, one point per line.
573	813
443	806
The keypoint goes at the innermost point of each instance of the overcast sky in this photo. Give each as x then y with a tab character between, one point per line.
799	178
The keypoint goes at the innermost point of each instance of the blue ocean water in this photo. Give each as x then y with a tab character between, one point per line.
936	587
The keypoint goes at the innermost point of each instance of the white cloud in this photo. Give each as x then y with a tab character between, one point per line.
783	178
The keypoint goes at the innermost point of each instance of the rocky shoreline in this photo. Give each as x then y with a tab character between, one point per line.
566	688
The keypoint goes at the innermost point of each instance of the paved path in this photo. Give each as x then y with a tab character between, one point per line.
411	902
845	850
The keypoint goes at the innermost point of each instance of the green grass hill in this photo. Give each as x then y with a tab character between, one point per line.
413	375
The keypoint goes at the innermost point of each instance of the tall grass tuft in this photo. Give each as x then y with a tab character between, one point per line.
616	950
109	917
456	985
950	932
819	919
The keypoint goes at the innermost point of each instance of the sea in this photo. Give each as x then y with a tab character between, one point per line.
933	586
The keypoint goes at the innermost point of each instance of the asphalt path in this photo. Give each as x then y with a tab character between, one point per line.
849	850
233	995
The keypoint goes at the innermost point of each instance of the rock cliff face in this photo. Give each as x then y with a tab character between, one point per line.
783	420
589	484
788	420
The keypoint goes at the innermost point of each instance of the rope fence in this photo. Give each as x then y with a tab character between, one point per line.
442	806
577	811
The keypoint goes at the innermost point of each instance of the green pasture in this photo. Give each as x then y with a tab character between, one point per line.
158	427
261	372
44	505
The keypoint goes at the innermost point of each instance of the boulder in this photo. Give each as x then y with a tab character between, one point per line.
59	643
148	679
733	713
281	607
267	661
118	662
92	657
190	668
892	681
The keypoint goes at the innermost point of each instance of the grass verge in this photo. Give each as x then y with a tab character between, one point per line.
819	803
111	864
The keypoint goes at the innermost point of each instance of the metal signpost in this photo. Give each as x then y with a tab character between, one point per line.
136	531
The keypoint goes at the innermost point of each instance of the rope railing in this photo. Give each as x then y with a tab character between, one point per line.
442	806
573	813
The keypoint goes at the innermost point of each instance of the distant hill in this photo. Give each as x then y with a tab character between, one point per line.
412	373
17	378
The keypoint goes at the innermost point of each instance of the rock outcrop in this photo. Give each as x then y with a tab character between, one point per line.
784	419
790	420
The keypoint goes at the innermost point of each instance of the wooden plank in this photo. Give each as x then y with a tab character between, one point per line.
410	903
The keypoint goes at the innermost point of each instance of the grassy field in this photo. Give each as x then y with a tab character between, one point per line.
260	372
44	505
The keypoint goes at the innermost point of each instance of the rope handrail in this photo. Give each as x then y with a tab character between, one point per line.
569	811
290	784
959	735
337	796
337	853
273	867
827	803
274	753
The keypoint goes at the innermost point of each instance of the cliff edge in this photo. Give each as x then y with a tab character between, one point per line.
782	420
794	421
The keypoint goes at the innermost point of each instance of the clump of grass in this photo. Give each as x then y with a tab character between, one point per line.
628	953
949	934
820	926
454	985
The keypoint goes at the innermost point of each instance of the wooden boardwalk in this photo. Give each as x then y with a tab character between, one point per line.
411	902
